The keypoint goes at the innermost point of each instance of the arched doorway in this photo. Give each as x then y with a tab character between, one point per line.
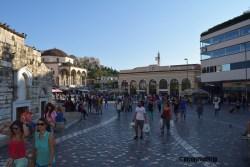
163	87
73	77
174	87
124	86
64	77
185	84
78	78
23	94
84	75
152	87
133	87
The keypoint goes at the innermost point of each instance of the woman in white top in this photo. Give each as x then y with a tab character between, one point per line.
139	118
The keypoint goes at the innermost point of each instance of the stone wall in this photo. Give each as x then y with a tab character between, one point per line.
15	55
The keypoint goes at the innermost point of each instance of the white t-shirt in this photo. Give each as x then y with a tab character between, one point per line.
140	111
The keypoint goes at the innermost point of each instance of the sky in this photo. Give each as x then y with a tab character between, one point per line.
123	34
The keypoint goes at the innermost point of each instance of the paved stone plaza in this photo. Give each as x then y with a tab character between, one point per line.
106	141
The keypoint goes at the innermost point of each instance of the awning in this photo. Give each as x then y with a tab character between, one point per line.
56	91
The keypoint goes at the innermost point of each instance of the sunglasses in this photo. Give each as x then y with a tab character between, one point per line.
40	124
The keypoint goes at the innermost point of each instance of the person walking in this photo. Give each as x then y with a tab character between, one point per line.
50	115
159	102
16	145
166	117
199	108
82	110
139	119
119	107
176	108
44	145
150	107
183	108
216	103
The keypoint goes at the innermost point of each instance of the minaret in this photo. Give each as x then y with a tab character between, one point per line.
158	58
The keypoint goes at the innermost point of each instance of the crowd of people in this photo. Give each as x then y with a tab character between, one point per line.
143	108
23	130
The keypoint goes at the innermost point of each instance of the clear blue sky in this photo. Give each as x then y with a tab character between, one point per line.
123	34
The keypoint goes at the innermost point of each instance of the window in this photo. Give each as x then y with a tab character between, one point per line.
231	35
233	49
226	36
57	60
204	70
248	46
245	30
218	53
226	67
218	68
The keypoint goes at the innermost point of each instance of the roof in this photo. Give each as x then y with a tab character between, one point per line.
238	19
6	27
54	52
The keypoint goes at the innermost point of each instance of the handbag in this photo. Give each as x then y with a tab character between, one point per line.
161	122
132	124
146	128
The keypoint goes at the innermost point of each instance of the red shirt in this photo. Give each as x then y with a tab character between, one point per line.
166	113
16	149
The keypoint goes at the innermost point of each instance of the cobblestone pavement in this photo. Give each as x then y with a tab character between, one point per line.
108	141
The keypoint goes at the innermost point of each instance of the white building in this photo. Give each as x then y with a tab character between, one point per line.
65	74
225	56
155	79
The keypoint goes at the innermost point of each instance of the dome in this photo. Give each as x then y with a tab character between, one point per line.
54	52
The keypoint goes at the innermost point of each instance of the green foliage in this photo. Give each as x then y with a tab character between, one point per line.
95	70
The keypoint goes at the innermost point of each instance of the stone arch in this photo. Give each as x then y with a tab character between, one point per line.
64	77
43	92
73	77
174	87
78	78
143	85
163	84
83	76
185	84
133	87
24	83
152	86
124	86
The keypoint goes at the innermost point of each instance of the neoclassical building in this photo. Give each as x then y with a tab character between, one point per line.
25	82
65	74
156	79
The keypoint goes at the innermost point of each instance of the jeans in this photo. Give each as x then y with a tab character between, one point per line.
165	122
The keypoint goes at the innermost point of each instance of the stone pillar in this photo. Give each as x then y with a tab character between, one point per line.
147	91
157	88
128	88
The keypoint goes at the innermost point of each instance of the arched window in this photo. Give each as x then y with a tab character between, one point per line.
133	87
152	87
185	84
174	87
163	84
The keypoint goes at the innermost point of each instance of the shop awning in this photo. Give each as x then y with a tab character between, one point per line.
54	90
